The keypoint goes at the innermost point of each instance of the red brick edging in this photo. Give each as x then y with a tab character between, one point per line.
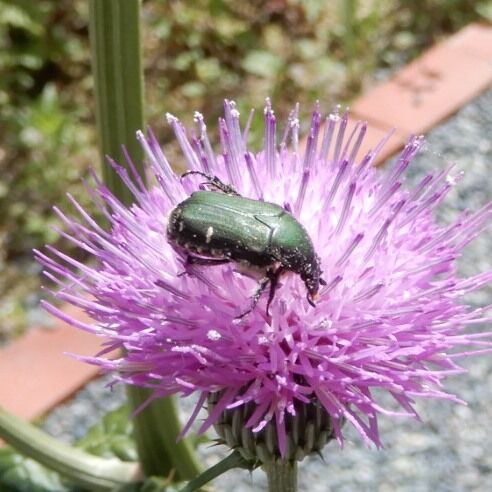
35	373
429	89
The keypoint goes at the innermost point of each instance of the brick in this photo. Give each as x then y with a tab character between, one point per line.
428	90
36	374
475	39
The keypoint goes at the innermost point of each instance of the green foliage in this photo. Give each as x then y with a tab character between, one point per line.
111	437
152	484
20	474
46	143
419	23
196	54
40	56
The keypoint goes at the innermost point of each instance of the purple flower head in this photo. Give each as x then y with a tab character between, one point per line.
391	315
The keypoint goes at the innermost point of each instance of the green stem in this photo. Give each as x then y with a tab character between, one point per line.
234	460
156	429
118	85
114	28
349	14
82	469
282	476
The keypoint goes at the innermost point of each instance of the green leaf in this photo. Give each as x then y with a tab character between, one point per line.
208	69
484	9
262	63
80	468
234	460
20	474
152	484
112	437
17	16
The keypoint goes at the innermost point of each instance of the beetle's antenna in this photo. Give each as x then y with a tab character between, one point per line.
201	173
212	181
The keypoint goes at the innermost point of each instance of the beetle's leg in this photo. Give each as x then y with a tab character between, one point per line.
213	181
197	260
262	285
274	276
271	278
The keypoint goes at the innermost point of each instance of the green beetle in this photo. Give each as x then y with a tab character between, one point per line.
217	227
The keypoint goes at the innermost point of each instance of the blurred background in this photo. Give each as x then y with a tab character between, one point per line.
196	54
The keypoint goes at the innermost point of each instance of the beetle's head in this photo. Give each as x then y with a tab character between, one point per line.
313	290
311	275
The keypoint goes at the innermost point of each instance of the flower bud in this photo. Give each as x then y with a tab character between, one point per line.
307	431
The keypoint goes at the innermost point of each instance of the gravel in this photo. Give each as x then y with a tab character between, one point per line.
451	449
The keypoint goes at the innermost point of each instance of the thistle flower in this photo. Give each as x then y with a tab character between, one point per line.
390	317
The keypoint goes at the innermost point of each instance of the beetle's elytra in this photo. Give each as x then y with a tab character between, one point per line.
217	227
